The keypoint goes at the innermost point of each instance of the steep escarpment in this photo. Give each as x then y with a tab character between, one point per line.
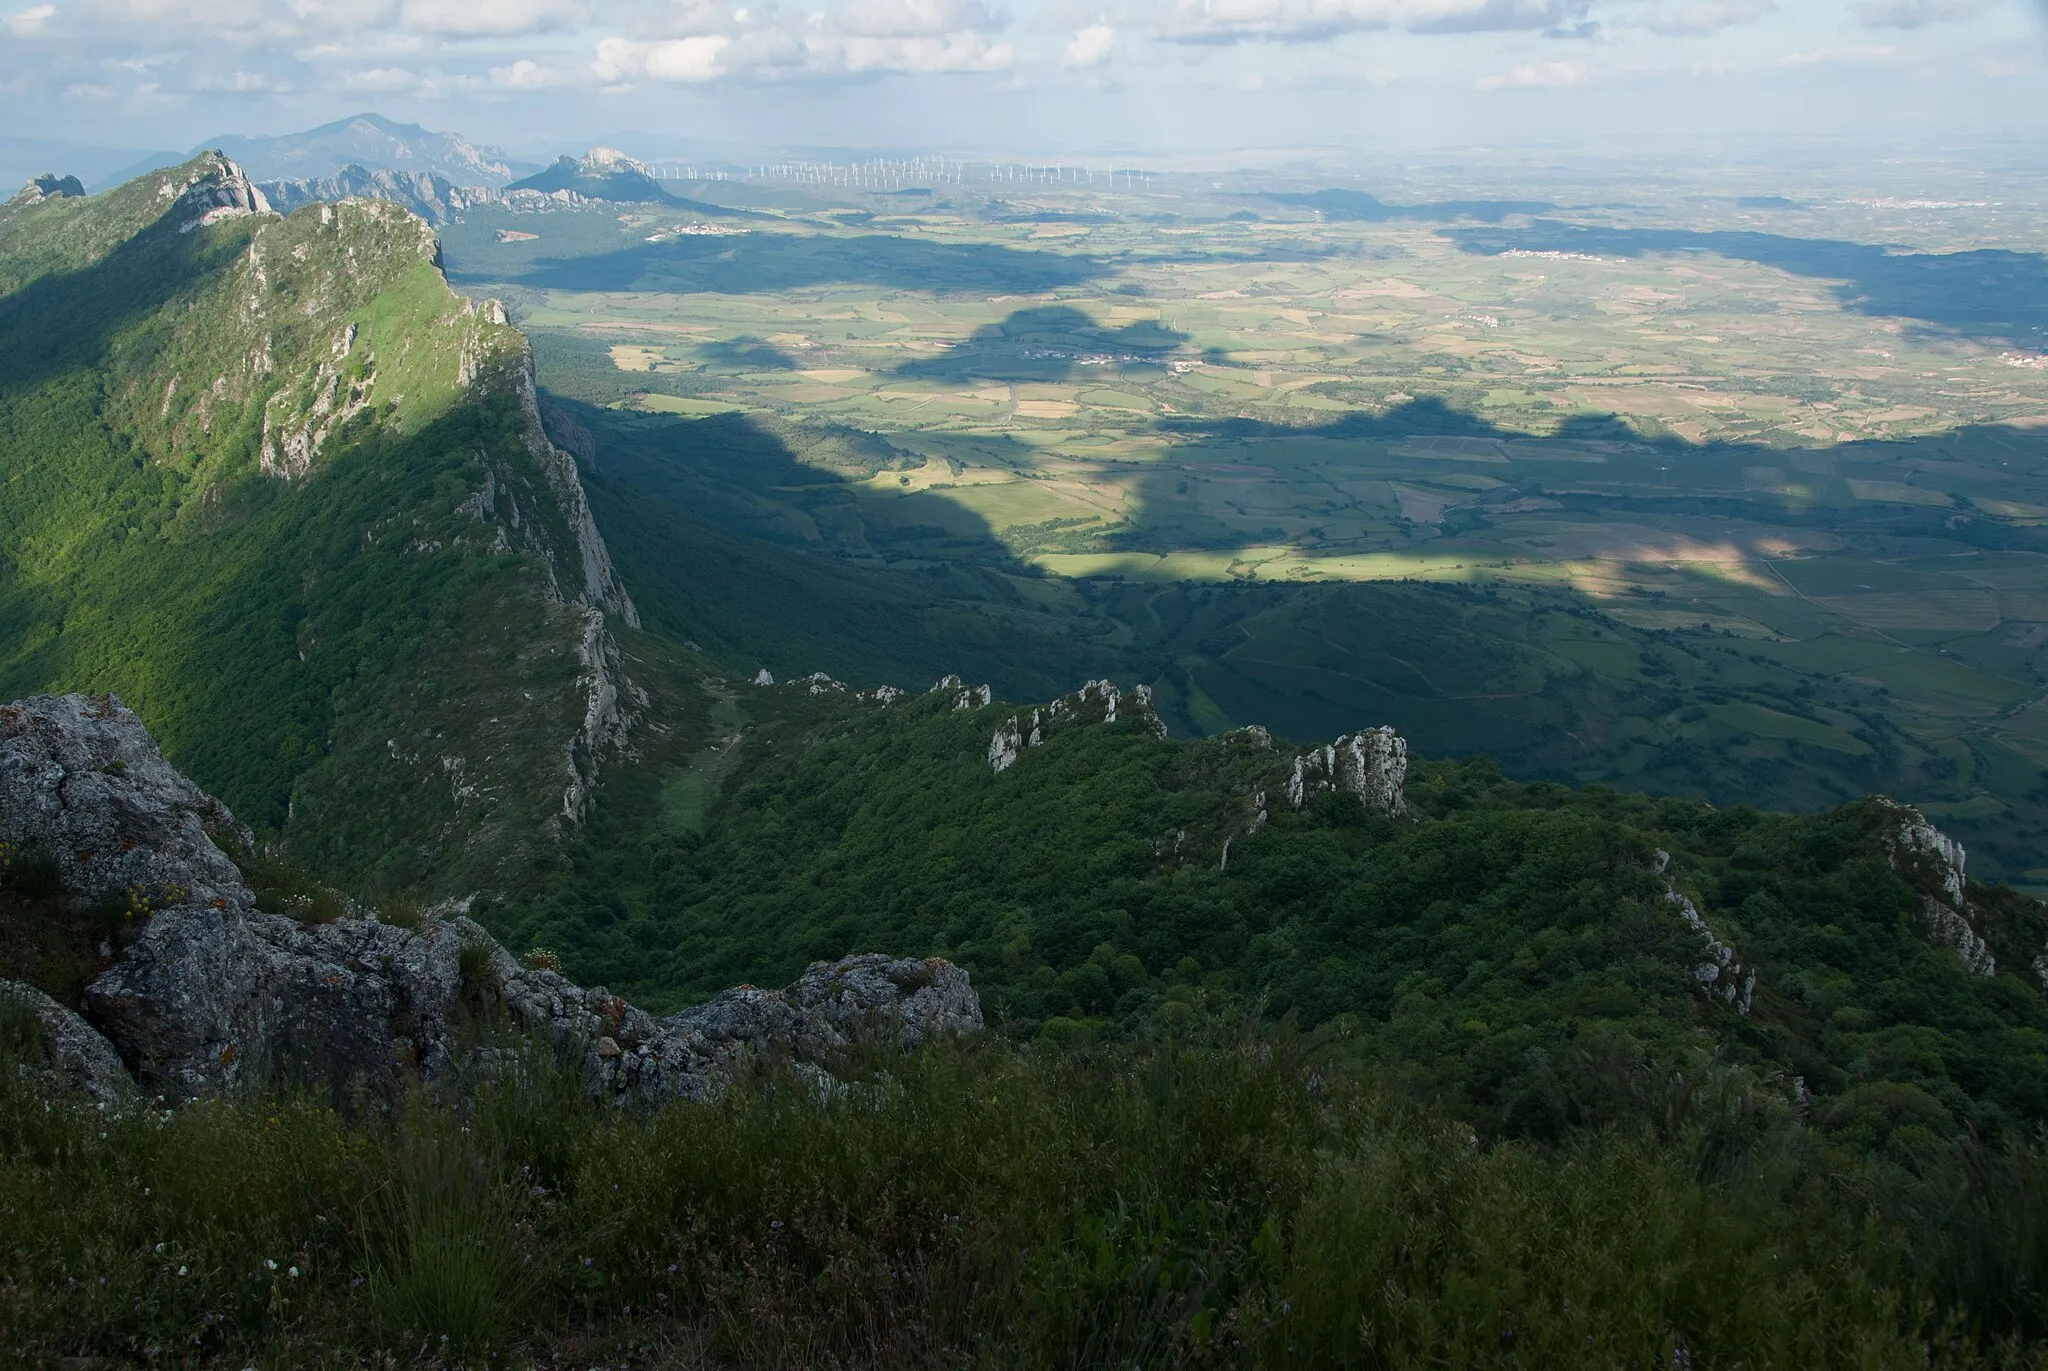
285	492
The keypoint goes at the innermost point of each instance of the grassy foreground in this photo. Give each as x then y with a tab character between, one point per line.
1214	1201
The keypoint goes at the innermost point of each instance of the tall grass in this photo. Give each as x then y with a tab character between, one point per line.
1218	1203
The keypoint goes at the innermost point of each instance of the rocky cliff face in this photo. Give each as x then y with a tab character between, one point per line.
433	198
82	783
1373	765
1946	914
50	186
214	992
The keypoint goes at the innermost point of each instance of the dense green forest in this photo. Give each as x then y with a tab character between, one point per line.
1508	948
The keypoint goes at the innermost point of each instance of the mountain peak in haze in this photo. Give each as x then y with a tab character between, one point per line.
600	174
368	140
604	159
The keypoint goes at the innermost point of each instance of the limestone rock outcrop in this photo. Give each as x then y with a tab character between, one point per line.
1096	702
217	189
1372	765
67	1050
1719	973
83	785
629	1058
213	991
1947	914
49	186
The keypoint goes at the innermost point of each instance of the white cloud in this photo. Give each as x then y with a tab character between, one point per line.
1856	56
381	80
1694	18
947	53
1916	14
1091	46
492	18
914	18
873	37
1536	74
687	60
24	23
1307	21
526	74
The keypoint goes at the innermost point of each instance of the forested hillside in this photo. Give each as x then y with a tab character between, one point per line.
272	482
1519	951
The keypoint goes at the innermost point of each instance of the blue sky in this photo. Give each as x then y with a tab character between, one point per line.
1020	77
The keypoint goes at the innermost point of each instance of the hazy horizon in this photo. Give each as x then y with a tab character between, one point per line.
1076	77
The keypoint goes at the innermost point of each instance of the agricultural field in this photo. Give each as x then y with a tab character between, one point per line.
1784	461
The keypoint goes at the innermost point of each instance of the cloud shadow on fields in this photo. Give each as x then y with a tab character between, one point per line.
1355	206
1048	343
746	353
760	263
1986	295
731	534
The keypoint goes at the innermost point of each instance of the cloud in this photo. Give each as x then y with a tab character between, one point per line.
1916	14
1857	56
914	18
1091	46
526	74
685	60
381	80
940	55
1696	18
868	38
1309	21
24	23
1536	74
493	18
1493	16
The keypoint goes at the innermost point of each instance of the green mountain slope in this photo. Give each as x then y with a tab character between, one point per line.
271	481
1514	950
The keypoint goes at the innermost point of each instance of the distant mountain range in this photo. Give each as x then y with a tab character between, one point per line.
435	175
367	140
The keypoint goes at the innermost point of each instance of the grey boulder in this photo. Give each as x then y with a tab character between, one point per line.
83	785
66	1050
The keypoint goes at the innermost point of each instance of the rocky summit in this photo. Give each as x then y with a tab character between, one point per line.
214	992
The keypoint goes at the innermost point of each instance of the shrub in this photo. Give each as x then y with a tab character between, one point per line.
482	990
1231	1201
31	874
21	1031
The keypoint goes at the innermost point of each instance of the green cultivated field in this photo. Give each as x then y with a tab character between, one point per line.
1778	488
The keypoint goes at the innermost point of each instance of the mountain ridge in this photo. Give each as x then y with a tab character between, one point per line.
305	408
366	139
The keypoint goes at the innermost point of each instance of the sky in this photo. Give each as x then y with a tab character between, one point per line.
1033	77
